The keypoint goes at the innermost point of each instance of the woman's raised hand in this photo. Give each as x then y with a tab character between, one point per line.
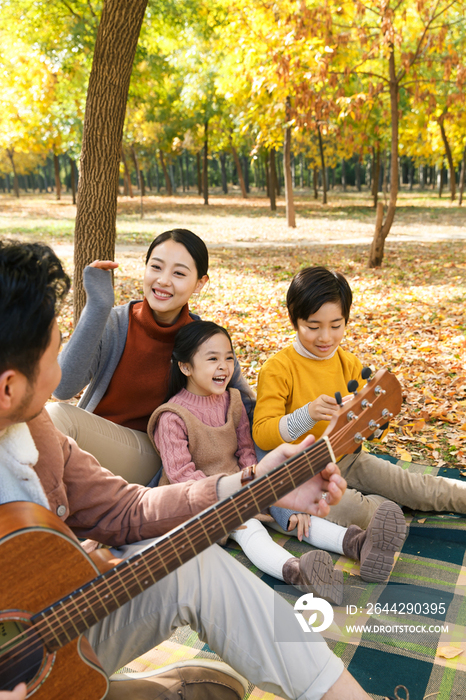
104	264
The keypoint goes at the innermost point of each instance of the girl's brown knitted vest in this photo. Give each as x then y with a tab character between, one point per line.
213	449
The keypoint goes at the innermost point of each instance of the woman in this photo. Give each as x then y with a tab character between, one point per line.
122	354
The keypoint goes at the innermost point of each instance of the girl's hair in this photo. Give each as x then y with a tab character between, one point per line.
187	342
193	244
314	286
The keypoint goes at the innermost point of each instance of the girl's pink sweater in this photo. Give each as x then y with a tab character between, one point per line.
171	435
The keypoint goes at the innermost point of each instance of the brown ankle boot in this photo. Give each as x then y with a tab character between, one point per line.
375	547
314	573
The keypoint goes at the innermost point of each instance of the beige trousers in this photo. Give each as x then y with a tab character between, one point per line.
240	617
369	473
125	452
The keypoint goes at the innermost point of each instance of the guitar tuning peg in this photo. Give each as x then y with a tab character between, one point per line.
366	372
353	386
338	398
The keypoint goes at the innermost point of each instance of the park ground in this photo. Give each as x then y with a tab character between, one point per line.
408	316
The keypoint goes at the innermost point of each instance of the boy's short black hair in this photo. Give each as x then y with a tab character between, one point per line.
32	283
314	286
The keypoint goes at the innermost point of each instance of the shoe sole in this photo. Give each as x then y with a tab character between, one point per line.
388	534
317	569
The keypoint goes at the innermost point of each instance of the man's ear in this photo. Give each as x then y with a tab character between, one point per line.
8	380
185	368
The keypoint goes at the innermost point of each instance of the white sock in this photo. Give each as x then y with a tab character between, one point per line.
259	547
324	535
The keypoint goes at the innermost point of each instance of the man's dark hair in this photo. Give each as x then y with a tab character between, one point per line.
314	286
32	284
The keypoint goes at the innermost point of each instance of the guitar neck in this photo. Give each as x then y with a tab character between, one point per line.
74	614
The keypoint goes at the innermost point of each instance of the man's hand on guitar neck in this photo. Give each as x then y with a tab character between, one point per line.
307	498
19	693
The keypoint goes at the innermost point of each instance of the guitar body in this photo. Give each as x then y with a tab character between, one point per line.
40	563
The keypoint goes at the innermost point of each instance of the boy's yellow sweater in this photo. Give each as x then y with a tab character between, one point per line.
288	381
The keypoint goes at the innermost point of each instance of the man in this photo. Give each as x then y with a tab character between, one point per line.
231	609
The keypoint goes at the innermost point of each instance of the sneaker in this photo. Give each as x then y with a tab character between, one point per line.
196	679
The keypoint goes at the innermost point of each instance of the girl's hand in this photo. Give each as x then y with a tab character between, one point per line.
307	498
323	408
103	265
19	693
300	521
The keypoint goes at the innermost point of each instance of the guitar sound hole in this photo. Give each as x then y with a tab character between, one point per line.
21	655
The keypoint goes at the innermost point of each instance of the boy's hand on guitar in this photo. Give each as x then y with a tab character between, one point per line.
19	693
307	498
301	521
323	408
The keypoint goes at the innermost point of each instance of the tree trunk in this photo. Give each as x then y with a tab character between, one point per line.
183	178
290	215
136	166
245	170
357	167
385	176
375	174
115	47
239	170
73	179
56	166
343	174
223	172
199	176
450	161
267	174
168	184
11	155
128	185
272	179
378	242
171	172
461	186
205	164
157	179
315	179
322	159
278	165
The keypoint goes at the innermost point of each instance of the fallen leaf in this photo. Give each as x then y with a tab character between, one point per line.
405	456
449	652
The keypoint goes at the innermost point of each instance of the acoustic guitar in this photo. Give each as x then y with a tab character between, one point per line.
51	591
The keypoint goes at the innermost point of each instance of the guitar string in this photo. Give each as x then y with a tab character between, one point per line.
127	575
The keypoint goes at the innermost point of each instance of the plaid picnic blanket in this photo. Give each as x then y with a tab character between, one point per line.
426	595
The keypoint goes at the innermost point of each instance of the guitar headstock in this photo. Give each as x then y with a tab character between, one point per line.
359	417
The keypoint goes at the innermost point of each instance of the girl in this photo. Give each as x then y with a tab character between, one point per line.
203	429
122	355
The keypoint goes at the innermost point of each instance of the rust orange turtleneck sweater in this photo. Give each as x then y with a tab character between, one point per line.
139	383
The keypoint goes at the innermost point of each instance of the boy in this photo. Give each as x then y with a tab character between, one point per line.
295	397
